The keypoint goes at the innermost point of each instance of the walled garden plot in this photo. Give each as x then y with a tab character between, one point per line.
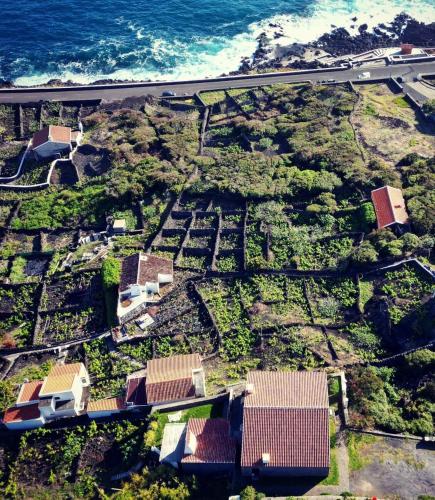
8	115
333	301
30	120
70	308
388	127
401	296
17	314
28	269
287	348
278	238
5	213
10	156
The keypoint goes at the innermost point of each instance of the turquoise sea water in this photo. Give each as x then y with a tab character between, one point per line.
87	40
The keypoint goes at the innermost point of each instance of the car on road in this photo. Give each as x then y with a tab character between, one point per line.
364	75
169	93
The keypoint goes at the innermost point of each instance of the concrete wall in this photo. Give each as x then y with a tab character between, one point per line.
288	471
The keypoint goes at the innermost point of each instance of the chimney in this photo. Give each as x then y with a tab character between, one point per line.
190	446
249	389
265	458
198	382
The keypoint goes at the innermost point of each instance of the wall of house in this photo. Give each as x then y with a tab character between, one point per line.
288	471
206	469
25	424
102	413
50	149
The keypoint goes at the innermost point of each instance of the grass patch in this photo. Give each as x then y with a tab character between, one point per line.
204	411
401	102
211	98
18	274
355	447
366	289
333	477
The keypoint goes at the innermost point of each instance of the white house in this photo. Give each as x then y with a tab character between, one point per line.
63	393
53	140
141	277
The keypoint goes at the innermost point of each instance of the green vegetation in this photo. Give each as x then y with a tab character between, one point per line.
356	444
333	477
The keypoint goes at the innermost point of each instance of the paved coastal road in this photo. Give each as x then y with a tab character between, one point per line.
120	91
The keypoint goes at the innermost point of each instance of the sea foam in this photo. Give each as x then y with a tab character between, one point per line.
176	59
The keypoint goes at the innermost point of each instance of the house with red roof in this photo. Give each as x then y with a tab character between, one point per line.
202	446
285	430
53	140
103	408
390	208
174	379
141	278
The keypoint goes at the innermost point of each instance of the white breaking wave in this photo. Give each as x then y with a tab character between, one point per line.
211	57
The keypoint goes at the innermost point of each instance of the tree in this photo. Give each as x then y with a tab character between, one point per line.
111	272
411	242
367	214
420	360
250	493
365	253
158	484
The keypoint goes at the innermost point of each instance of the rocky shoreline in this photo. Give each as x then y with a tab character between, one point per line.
271	54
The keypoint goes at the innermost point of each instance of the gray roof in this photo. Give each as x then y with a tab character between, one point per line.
172	449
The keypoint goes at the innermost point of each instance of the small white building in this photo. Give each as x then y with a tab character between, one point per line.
119	226
141	277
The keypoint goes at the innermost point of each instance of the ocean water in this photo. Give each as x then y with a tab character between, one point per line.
86	40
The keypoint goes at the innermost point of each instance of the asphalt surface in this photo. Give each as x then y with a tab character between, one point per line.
113	92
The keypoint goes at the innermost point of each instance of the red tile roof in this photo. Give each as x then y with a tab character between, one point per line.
136	391
288	389
19	414
173	390
109	404
287	417
213	442
142	268
389	206
53	133
29	391
170	379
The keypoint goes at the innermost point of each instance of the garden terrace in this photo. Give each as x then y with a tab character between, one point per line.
123	246
20	242
74	291
278	238
403	293
9	116
30	118
72	324
29	268
6	210
10	157
60	240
